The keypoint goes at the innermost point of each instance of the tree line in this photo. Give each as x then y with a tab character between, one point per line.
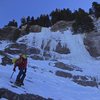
83	22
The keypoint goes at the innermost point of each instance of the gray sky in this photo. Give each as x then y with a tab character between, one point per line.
16	9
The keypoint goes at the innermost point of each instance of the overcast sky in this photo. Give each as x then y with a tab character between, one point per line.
16	9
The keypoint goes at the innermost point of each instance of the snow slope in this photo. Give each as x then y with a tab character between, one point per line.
41	78
79	56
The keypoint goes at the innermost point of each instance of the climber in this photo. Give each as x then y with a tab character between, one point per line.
21	63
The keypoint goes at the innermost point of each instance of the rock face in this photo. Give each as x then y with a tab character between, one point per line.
92	43
81	80
67	67
4	93
61	26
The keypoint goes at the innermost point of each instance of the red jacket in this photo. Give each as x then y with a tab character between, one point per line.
21	63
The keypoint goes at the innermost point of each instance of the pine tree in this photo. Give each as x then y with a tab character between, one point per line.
64	14
12	23
95	9
28	19
23	21
32	21
83	23
55	16
43	20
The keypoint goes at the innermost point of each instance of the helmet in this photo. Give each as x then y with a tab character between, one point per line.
24	56
14	60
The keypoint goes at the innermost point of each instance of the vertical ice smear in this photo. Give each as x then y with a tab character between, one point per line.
74	42
76	46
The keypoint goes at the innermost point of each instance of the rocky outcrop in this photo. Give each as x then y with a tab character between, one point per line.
81	80
16	48
9	33
67	67
2	53
86	83
92	43
5	93
61	26
64	74
6	60
62	49
35	28
33	50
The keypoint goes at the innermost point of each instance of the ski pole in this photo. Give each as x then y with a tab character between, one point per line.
11	74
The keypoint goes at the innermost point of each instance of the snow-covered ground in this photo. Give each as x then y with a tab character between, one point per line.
41	79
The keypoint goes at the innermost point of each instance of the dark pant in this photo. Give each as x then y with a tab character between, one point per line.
21	75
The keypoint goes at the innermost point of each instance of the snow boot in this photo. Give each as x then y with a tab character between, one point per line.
22	84
17	83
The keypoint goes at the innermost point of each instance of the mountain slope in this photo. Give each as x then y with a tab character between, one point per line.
57	79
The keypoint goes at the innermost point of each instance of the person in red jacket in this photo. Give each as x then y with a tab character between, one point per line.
22	65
